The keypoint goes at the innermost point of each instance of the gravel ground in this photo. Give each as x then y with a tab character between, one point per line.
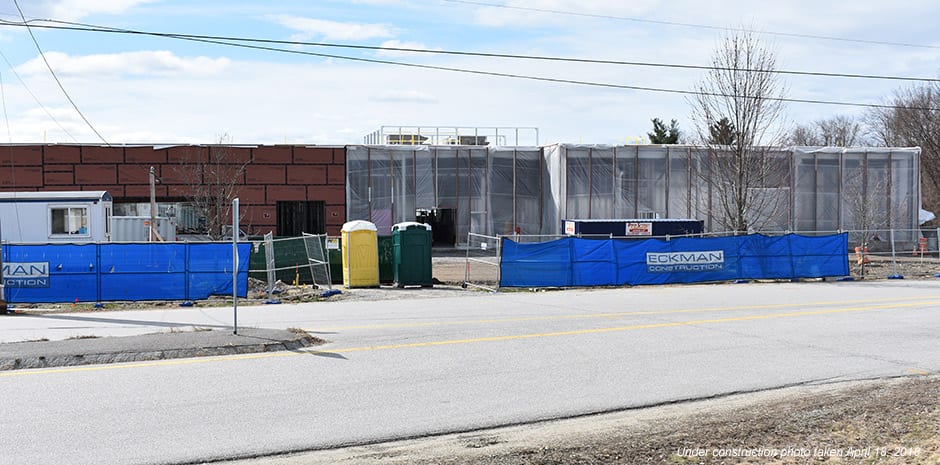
894	421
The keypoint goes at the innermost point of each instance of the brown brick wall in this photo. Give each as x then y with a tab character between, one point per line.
95	174
252	195
283	193
239	155
259	217
332	195
115	190
143	191
175	174
313	155
336	174
144	155
186	154
307	175
265	174
102	154
135	174
25	176
20	156
59	179
278	154
273	173
62	154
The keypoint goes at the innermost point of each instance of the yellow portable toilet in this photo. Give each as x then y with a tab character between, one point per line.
360	254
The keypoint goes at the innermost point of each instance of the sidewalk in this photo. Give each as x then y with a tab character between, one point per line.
148	347
52	337
57	339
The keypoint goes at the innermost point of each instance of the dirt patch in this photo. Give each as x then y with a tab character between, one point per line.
907	266
872	422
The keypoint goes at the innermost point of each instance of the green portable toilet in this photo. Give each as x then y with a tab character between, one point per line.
412	248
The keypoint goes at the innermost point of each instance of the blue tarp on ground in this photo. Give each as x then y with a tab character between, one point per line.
51	273
572	262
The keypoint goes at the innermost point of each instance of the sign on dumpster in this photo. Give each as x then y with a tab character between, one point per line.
639	229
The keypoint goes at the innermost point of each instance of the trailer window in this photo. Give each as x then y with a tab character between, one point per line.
70	221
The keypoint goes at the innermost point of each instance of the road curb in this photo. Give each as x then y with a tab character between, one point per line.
148	347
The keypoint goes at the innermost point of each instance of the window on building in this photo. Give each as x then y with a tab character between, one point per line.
296	218
69	221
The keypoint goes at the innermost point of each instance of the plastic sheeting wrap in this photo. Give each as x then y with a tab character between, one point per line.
51	273
573	262
499	190
491	190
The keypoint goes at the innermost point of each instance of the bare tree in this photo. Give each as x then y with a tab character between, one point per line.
861	194
838	131
742	89
914	121
871	210
212	184
804	136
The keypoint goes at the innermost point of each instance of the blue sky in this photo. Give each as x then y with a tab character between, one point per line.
137	89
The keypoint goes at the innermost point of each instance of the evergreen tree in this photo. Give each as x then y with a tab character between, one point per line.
663	135
722	133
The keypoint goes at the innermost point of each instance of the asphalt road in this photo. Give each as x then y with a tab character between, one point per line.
408	368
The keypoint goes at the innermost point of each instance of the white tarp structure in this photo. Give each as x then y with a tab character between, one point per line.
504	190
490	190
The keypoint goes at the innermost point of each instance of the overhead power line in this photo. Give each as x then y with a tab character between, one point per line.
241	43
56	78
35	98
691	25
67	25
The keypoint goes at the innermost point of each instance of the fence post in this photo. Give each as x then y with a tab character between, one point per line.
97	272
186	271
235	266
894	258
3	302
499	258
466	277
270	264
938	250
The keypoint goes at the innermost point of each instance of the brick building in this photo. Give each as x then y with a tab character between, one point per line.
484	189
283	189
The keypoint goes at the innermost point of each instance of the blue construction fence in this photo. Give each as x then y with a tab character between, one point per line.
50	273
573	262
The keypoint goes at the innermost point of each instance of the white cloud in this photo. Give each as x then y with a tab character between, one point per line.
383	2
526	12
310	28
402	96
71	10
399	44
336	102
144	63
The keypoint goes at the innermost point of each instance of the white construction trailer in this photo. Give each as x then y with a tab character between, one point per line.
55	217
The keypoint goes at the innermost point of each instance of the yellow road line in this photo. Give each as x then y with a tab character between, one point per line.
915	371
624	328
611	314
191	361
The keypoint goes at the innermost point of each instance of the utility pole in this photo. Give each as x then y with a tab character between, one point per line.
3	302
153	204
